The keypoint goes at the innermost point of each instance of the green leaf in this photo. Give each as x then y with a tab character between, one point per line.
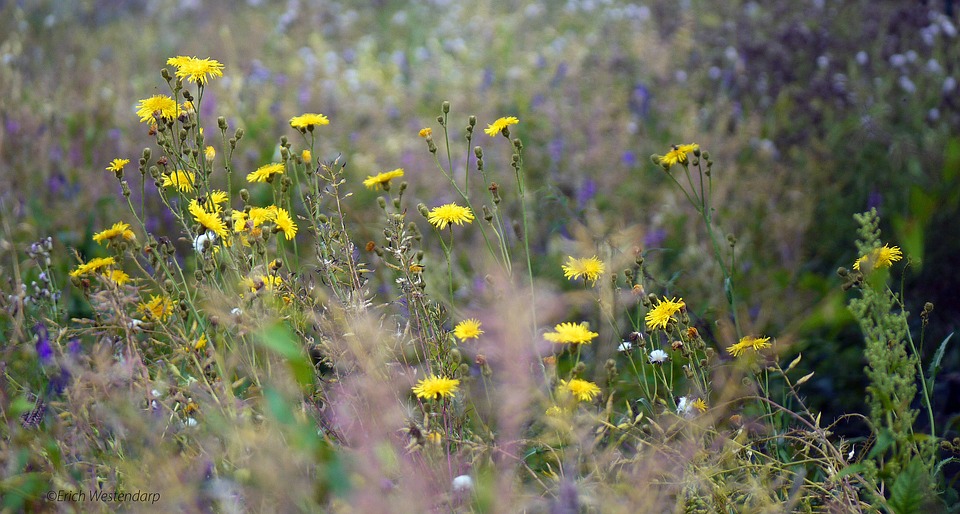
279	339
851	469
910	490
937	357
884	440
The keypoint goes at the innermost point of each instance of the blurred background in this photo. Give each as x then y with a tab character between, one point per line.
812	110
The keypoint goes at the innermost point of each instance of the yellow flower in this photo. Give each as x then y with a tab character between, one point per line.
182	180
378	181
209	220
700	405
159	307
426	132
589	268
308	121
160	105
575	333
307	157
196	70
678	154
581	389
265	172
217	198
117	277
117	165
93	265
449	213
497	127
201	343
434	387
209	153
663	312
267	282
119	229
879	258
285	224
467	329
756	343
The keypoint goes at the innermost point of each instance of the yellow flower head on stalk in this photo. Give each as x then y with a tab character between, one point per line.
700	405
467	329
196	70
158	307
663	313
307	157
879	258
497	127
116	276
307	121
209	153
589	268
581	389
93	265
678	154
574	333
117	165
201	343
747	342
217	199
265	172
267	282
441	216
426	132
377	181
182	180
119	229
434	387
209	220
161	105
285	223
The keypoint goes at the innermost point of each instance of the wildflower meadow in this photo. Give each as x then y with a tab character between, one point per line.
592	256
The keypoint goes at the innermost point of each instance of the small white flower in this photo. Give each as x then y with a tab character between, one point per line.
135	324
658	357
852	450
236	311
462	483
685	407
191	422
625	346
201	242
155	393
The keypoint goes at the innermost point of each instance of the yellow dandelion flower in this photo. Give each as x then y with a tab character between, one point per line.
700	405
581	389
748	342
574	333
209	220
268	282
218	198
434	387
879	258
158	307
239	220
441	216
209	153
157	106
497	127
589	268
116	276
307	156
265	173
119	229
678	154
182	180
285	224
381	179
663	313
308	121
93	265
426	132
196	70
201	343
117	165
261	215
434	438
467	329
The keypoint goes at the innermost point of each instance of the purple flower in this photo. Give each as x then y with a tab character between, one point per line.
44	350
